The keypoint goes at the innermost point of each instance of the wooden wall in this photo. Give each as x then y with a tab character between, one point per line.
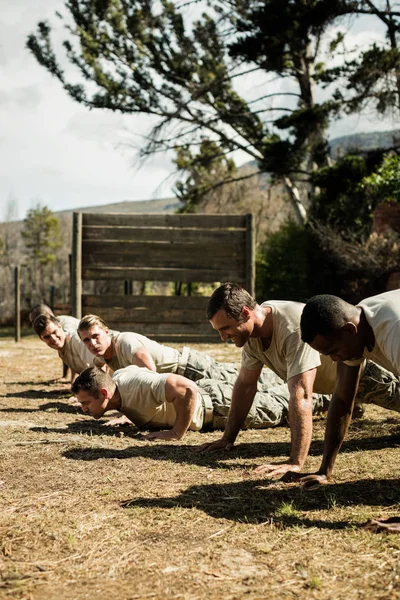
167	248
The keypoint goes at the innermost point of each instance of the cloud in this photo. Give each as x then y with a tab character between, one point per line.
25	98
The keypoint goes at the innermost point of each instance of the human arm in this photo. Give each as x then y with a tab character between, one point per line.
243	394
183	394
300	420
143	358
337	424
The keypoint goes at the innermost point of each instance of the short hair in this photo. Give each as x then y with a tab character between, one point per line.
40	309
231	297
92	380
42	321
89	321
324	315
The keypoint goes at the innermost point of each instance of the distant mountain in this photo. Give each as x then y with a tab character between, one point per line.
357	141
162	205
364	141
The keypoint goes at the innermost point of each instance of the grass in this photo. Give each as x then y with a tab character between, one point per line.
86	511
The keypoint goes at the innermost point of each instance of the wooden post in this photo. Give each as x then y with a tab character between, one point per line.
52	296
76	266
250	275
17	303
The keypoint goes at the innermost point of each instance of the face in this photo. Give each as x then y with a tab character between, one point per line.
96	339
95	407
344	345
231	329
54	336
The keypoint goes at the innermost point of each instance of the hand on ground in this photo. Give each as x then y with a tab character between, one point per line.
217	445
391	525
117	421
272	471
313	481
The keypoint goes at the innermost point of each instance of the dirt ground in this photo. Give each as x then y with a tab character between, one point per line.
91	512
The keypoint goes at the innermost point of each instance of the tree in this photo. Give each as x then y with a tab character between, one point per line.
41	235
136	56
383	185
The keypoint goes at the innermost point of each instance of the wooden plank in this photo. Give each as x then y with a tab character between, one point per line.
160	250
154	329
140	315
223	273
184	339
147	302
163	234
154	220
159	260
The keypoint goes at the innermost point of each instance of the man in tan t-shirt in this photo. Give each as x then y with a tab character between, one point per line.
350	334
67	322
68	345
172	403
270	335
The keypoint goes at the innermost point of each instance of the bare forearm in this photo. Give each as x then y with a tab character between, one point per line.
242	399
185	407
338	421
300	421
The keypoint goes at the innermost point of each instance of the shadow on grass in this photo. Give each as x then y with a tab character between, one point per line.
60	407
39	394
259	501
89	427
185	454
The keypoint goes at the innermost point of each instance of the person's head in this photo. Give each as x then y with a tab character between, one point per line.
94	334
50	331
40	309
230	310
331	326
94	389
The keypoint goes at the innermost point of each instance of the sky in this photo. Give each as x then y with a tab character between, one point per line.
59	154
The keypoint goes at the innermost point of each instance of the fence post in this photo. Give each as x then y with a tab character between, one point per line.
52	296
250	255
17	303
76	266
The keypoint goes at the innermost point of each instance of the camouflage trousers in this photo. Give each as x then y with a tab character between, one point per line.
198	365
379	386
270	405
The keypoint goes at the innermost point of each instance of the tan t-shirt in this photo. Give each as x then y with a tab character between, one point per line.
143	399
125	346
383	315
68	323
75	354
287	354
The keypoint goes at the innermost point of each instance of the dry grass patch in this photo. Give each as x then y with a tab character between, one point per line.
91	512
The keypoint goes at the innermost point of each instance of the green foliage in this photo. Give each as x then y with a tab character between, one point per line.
341	203
384	184
41	234
282	267
351	189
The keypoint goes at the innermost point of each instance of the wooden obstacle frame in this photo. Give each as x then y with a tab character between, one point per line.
207	249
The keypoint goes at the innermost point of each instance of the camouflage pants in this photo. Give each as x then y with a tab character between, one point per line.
270	405
200	365
379	386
